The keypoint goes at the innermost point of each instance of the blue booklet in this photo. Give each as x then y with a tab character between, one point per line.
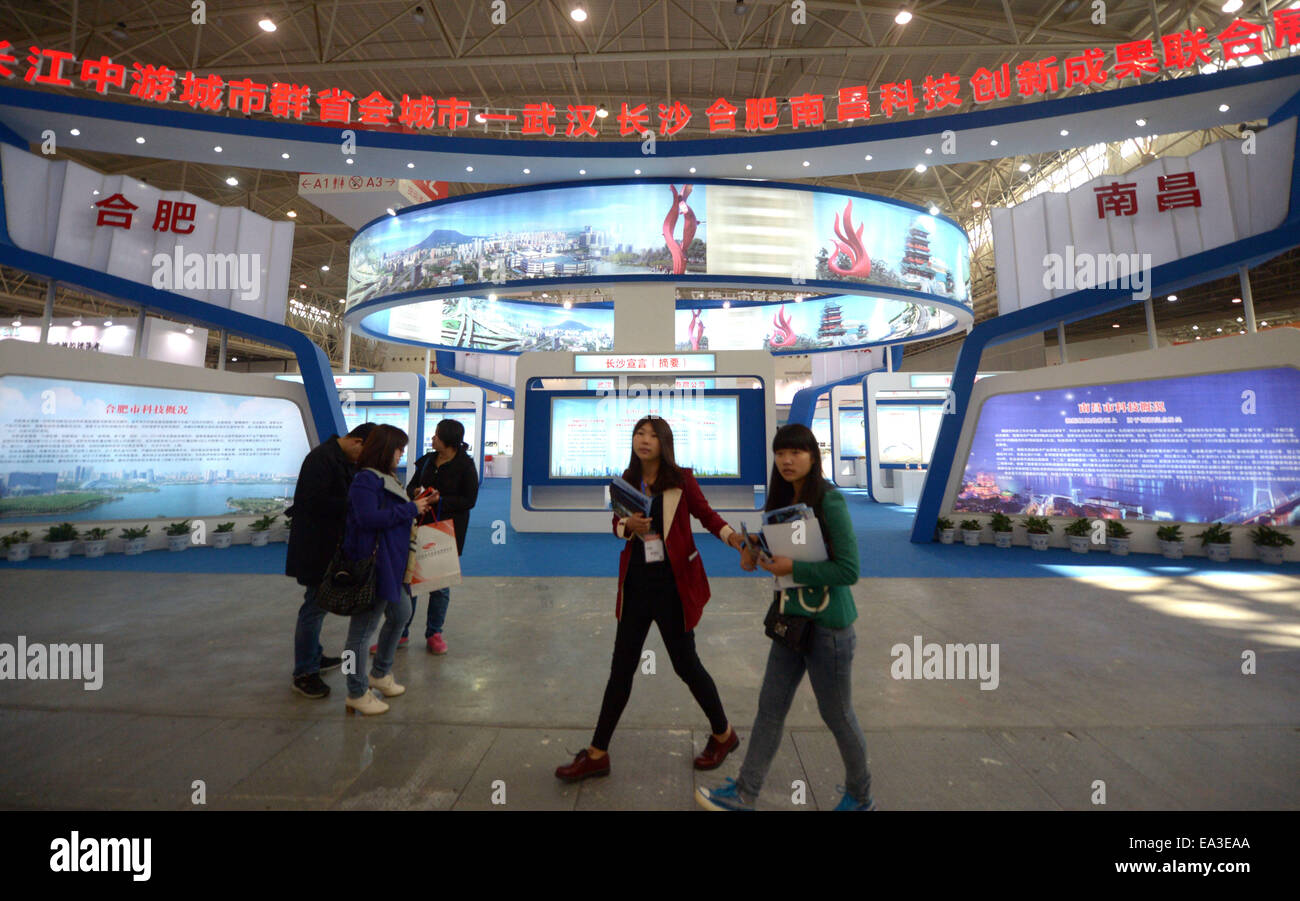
627	500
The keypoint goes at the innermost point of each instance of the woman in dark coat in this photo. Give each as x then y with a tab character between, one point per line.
379	524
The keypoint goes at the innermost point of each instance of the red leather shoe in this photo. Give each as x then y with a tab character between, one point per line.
715	752
583	767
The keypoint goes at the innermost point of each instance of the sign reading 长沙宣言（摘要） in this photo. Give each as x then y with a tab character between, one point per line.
169	240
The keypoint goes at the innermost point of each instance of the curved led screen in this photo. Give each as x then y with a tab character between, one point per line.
475	323
817	323
655	228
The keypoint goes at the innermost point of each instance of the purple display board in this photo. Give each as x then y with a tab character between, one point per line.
1217	447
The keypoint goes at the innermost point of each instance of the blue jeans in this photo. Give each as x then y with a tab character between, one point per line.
306	636
829	662
438	601
361	627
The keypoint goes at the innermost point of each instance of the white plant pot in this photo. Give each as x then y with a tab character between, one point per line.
260	539
971	537
1037	541
946	536
94	548
222	539
1219	552
178	543
1079	543
60	550
19	552
1119	546
135	546
1272	555
1002	539
1173	550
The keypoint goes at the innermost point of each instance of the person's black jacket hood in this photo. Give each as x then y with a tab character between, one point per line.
320	507
457	484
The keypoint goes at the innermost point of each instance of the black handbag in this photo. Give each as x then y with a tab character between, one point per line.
792	631
348	587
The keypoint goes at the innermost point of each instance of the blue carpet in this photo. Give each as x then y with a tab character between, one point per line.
883	545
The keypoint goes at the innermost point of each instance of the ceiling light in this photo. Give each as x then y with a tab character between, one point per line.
1223	107
266	24
492	297
76	323
726	305
119	30
578	14
1171	298
348	161
993	143
1218	329
638	171
568	305
391	211
934	210
748	167
1231	6
17	322
1263	323
1114	325
1065	132
418	15
1024	167
234	359
920	167
1239	319
975	204
291	214
284	156
232	181
806	163
601	112
528	172
1141	122
1241	332
140	140
325	269
867	157
189	329
903	17
1196	328
95	192
692	170
108	323
1198	337
302	287
410	165
1236	300
929	150
469	168
74	132
582	171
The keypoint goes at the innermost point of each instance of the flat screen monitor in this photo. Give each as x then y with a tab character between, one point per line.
853	433
467	418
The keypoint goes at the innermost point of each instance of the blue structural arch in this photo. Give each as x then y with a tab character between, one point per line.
1206	266
803	406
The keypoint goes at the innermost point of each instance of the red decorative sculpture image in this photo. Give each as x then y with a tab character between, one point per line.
695	329
849	244
678	250
784	335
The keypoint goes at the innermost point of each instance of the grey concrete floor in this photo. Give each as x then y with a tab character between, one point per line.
1135	683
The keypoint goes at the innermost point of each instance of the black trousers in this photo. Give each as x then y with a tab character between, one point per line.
645	602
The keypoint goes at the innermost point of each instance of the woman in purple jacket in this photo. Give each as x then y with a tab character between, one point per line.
379	522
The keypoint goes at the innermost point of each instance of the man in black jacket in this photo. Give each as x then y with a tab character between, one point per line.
449	470
319	511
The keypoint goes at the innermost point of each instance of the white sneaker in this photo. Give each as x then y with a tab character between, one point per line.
388	685
366	705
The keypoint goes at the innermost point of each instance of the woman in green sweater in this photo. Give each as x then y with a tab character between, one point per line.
827	655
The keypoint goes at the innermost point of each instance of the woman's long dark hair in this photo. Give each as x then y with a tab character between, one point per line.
670	475
451	433
377	452
780	493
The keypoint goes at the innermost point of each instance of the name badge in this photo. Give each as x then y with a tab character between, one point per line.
654	548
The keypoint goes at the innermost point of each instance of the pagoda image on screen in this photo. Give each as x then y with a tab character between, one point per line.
832	326
916	258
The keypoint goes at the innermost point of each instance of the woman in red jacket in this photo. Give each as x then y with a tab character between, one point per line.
660	579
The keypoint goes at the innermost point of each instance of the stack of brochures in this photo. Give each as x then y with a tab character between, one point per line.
792	532
627	500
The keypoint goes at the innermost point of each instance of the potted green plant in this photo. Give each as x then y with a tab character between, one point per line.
1002	529
94	541
1217	542
1117	536
945	530
1038	528
261	530
1079	534
1269	543
1171	541
17	545
224	535
60	539
135	540
970	532
178	536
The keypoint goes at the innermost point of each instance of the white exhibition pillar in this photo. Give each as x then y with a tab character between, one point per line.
644	319
346	361
1247	299
48	318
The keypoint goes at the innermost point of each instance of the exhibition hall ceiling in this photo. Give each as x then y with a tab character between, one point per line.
502	55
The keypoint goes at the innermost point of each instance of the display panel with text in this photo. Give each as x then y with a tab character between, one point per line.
1215	447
